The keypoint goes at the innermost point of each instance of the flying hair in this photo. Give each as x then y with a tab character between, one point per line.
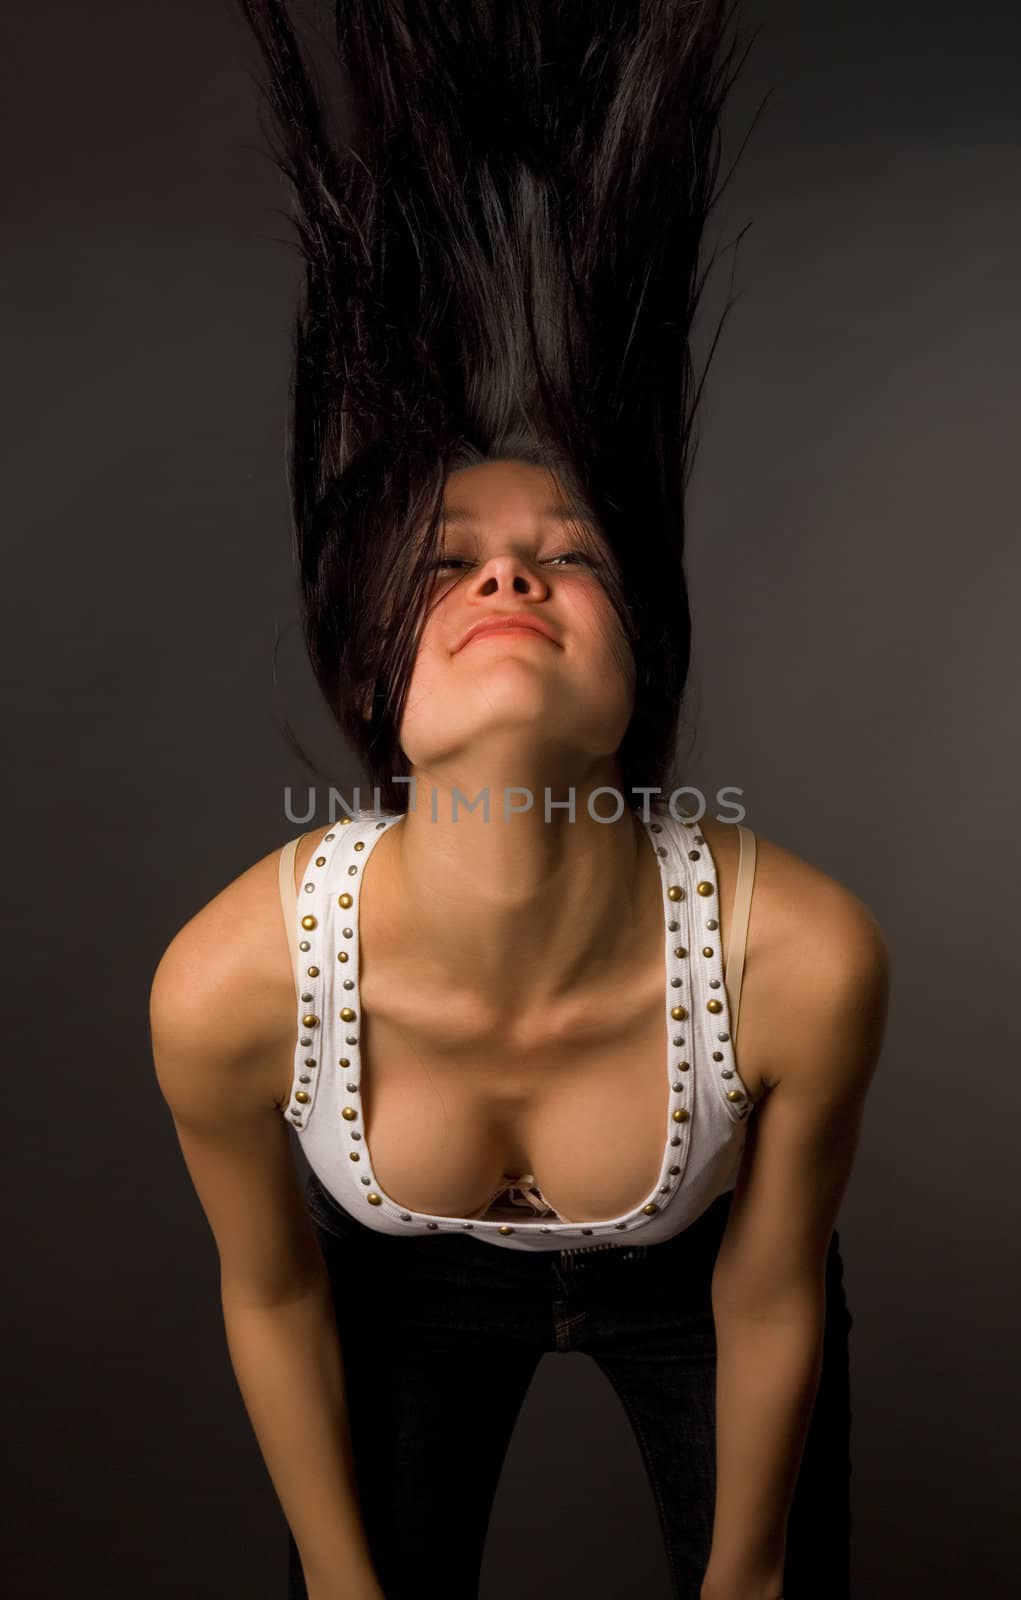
500	206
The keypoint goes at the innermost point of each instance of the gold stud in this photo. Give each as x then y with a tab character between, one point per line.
309	922
344	900
320	861
679	951
681	1116
675	893
650	1208
707	949
373	1199
342	955
360	844
349	1113
346	1014
354	1156
301	1097
684	1066
345	820
504	1228
313	972
705	888
734	1094
714	1005
678	1013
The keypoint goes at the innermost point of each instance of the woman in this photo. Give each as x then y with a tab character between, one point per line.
492	414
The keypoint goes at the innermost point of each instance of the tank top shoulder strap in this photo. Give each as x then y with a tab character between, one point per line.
289	901
739	922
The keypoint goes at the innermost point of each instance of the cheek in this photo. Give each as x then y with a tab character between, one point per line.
432	657
597	627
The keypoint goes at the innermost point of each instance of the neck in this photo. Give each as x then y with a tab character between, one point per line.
517	912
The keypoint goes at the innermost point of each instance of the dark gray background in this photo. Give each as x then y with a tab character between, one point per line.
854	567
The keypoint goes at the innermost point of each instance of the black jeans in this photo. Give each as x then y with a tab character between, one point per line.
441	1337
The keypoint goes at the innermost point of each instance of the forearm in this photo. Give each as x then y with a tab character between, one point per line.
288	1364
767	1378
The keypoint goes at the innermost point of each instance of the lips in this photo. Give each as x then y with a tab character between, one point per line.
504	624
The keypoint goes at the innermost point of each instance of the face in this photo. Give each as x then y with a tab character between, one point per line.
546	698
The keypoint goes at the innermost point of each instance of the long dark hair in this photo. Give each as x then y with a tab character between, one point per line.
502	261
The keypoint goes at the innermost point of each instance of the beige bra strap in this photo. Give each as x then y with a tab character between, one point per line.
739	922
289	901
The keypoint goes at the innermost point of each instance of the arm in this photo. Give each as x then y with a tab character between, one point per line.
214	1062
768	1289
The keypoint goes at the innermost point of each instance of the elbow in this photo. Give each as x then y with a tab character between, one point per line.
797	1305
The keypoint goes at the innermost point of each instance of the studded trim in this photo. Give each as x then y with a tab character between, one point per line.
328	900
709	990
698	1039
312	980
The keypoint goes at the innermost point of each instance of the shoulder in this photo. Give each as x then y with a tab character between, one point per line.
222	999
818	965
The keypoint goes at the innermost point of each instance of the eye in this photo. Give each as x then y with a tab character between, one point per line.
573	556
576	555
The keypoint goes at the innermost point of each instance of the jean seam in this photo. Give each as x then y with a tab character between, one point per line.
649	1459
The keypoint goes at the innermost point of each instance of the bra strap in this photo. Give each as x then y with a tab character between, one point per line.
739	922
289	901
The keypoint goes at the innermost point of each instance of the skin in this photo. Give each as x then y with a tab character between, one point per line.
512	992
487	1060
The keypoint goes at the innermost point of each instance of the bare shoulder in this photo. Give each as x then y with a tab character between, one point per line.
817	964
222	1016
222	999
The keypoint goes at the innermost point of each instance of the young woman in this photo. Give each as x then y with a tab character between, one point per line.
500	1012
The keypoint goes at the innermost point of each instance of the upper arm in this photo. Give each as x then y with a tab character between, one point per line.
219	1044
803	1137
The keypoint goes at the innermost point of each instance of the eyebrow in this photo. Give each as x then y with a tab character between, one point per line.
573	511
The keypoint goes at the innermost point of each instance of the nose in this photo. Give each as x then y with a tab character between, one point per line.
508	573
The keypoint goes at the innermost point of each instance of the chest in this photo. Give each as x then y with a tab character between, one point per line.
454	1101
435	1094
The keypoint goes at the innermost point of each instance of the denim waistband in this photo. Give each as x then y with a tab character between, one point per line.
623	1251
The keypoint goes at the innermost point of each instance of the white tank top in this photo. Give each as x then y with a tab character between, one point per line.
706	1104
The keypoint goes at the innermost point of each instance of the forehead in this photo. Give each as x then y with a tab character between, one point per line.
498	492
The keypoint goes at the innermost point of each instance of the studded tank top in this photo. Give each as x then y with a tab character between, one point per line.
705	1103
